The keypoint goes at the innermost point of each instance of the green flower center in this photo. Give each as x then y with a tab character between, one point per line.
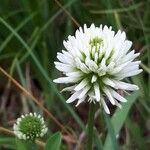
31	126
96	41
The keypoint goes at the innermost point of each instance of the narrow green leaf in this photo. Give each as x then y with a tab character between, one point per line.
8	142
119	118
111	132
136	134
118	10
43	72
54	142
24	22
97	140
20	145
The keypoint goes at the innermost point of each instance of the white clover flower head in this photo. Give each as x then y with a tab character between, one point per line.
94	63
30	126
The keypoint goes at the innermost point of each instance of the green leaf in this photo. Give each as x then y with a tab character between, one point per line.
20	145
54	142
119	118
111	131
8	142
136	134
44	73
25	145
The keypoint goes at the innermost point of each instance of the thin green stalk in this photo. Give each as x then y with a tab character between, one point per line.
90	126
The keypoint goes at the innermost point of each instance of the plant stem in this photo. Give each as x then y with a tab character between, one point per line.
90	126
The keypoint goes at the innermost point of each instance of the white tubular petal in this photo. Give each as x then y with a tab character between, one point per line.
75	74
129	57
64	59
129	74
105	106
15	127
81	85
118	104
73	97
119	68
91	64
94	78
130	68
109	82
125	86
81	66
124	49
63	67
103	63
61	58
117	96
128	45
84	92
97	92
80	101
70	88
66	80
110	66
111	99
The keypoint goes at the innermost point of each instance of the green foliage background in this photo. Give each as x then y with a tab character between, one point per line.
31	34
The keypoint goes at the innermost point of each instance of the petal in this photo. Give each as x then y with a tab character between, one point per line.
118	68
117	96
129	74
111	99
80	101
118	104
81	85
109	82
64	67
70	88
94	78
97	92
76	74
73	97
66	80
105	106
125	86
129	57
84	92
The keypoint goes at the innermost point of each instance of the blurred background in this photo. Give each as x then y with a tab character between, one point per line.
31	34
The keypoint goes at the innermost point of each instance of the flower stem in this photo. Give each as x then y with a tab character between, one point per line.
90	126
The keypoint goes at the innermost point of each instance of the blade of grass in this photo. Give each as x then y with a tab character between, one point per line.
56	14
23	23
23	82
8	142
97	140
119	118
111	132
136	134
117	10
68	13
44	27
145	68
34	99
147	43
43	72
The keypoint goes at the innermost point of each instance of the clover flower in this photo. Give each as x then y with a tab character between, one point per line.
30	127
94	63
